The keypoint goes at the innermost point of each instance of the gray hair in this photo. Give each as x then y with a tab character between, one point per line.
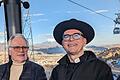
17	35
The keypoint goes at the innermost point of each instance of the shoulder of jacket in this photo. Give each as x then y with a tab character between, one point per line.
33	64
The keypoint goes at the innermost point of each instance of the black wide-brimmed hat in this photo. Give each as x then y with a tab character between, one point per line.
85	28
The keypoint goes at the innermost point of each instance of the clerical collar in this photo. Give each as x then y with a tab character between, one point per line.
77	60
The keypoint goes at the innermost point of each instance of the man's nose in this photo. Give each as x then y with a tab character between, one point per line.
21	49
71	38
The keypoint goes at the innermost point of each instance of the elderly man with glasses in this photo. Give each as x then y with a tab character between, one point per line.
19	67
78	64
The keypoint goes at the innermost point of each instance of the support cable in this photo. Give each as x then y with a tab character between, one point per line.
90	9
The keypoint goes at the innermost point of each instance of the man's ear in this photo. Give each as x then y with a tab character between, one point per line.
85	41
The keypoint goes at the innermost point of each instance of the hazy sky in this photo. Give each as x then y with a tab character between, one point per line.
45	14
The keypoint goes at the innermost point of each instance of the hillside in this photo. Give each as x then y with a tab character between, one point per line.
53	48
111	53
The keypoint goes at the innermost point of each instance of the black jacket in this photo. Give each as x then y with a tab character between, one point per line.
31	71
89	68
118	78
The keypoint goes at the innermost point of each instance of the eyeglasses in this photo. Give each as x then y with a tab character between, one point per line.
75	36
18	48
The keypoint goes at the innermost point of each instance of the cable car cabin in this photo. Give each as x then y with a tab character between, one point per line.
116	30
117	20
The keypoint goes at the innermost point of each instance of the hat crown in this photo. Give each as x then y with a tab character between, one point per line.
72	19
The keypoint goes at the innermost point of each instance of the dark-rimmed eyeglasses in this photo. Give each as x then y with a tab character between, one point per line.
18	48
74	36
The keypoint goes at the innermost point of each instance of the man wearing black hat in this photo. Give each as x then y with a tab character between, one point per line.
78	64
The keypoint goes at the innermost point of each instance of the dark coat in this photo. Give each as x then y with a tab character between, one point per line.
118	78
31	71
89	68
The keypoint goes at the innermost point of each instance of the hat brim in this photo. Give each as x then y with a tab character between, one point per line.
86	29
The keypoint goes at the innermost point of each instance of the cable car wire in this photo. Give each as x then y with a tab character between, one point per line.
90	9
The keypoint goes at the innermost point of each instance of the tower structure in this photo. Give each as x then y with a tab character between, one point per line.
117	24
27	30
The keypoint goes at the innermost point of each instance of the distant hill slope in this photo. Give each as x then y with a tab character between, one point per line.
112	46
52	50
111	53
46	44
53	47
96	48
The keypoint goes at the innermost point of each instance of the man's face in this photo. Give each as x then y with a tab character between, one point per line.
18	50
73	41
